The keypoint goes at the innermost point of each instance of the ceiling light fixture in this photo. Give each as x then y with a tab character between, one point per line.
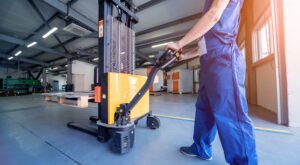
95	59
160	45
31	44
50	32
152	56
18	53
55	68
10	58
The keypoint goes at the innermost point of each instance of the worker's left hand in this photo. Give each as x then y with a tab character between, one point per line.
173	46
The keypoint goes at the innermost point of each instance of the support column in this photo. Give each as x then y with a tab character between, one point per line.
70	86
69	72
44	78
251	72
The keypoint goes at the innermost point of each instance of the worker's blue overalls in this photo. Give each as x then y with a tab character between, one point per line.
221	103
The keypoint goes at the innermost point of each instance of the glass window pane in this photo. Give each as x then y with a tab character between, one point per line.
255	47
264	38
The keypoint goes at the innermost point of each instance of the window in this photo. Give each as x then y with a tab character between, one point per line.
264	44
263	41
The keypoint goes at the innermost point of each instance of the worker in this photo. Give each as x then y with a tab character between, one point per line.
221	104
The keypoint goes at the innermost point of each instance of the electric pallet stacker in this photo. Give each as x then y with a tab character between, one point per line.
122	97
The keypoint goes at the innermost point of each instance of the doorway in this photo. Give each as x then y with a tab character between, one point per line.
55	86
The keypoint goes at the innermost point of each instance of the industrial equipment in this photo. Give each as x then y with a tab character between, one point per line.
122	97
22	86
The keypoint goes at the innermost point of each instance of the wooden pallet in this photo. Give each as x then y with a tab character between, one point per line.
155	93
180	93
62	97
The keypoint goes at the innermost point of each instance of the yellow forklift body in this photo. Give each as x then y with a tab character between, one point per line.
121	89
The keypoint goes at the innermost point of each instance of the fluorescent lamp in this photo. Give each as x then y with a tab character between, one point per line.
95	59
31	44
10	58
55	68
50	32
152	56
160	45
66	65
18	53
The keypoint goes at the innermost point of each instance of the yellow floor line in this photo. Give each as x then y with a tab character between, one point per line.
256	128
175	117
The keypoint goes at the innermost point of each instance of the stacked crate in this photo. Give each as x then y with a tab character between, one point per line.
182	81
158	82
169	82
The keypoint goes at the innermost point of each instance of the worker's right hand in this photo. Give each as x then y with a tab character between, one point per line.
173	46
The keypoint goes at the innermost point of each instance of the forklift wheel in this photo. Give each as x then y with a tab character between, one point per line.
136	122
153	122
94	119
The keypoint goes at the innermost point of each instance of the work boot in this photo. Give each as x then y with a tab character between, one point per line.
187	151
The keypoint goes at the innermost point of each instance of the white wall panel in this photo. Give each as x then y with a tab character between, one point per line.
87	72
292	35
266	86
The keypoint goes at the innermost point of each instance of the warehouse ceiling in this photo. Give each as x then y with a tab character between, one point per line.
25	21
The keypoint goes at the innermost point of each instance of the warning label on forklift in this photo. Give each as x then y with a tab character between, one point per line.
101	24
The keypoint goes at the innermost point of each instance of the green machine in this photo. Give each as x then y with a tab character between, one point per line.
22	86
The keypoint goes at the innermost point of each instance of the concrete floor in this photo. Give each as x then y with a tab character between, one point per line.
34	132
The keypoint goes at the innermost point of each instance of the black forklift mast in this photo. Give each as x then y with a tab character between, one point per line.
125	11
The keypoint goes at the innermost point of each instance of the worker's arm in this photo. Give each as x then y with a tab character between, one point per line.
206	22
191	54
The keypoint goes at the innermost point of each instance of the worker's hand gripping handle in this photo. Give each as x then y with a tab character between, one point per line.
168	58
178	54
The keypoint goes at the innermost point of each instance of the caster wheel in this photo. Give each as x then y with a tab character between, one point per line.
136	123
153	122
94	119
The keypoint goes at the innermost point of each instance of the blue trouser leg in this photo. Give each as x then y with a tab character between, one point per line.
223	73
205	128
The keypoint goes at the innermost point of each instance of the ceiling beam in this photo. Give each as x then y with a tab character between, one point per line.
185	49
5	56
10	39
72	2
170	24
38	11
58	62
34	32
11	66
139	64
145	57
56	46
14	40
148	5
63	8
158	40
